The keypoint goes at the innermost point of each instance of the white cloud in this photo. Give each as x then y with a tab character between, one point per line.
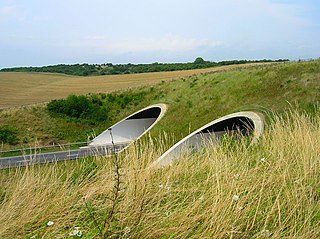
168	43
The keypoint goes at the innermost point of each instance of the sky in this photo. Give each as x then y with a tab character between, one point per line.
46	32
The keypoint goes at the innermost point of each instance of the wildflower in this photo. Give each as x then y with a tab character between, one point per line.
235	197
263	159
76	232
50	223
168	188
240	208
161	186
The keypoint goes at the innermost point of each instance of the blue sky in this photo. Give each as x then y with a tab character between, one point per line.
40	32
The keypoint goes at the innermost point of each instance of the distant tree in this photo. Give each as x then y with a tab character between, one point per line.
199	60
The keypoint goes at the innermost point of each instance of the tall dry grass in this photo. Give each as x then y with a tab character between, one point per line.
270	190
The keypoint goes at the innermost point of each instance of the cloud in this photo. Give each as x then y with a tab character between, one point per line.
168	43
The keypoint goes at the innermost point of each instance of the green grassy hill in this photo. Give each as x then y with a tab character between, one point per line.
269	190
193	101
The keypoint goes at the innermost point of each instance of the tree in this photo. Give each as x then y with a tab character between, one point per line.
199	60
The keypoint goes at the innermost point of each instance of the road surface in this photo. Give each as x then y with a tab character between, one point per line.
23	160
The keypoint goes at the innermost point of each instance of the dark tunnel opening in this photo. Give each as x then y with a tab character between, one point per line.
148	113
242	124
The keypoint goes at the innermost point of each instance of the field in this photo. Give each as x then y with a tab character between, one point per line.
18	89
235	190
192	101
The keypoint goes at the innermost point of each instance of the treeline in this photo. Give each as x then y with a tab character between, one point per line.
111	69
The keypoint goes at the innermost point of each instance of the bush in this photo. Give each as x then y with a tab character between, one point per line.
8	135
93	108
81	107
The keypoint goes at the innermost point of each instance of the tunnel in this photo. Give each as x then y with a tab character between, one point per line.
237	125
131	128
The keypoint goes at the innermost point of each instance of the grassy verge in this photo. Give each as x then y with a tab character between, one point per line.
270	190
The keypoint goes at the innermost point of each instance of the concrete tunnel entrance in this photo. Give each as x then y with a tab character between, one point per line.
131	128
237	124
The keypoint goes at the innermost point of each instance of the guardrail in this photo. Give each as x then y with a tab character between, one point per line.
43	147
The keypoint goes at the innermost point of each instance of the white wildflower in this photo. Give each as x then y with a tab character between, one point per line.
76	232
161	186
263	159
235	197
168	188
50	223
240	208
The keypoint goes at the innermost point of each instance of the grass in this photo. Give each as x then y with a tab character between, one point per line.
17	89
270	190
192	101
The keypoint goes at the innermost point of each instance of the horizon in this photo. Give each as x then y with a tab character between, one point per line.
41	33
158	62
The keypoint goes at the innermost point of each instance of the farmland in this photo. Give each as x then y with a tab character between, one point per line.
17	88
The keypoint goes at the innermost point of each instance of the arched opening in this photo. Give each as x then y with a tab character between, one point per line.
238	125
131	128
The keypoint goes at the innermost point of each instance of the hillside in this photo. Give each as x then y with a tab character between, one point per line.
25	88
269	190
192	101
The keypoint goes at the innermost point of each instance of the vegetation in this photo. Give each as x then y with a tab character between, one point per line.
193	101
8	135
44	87
93	108
111	69
269	190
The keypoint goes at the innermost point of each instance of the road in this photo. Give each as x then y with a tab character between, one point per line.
23	160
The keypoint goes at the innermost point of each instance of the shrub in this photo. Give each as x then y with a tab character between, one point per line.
8	135
81	107
93	108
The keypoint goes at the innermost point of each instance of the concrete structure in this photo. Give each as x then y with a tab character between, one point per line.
129	129
241	123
